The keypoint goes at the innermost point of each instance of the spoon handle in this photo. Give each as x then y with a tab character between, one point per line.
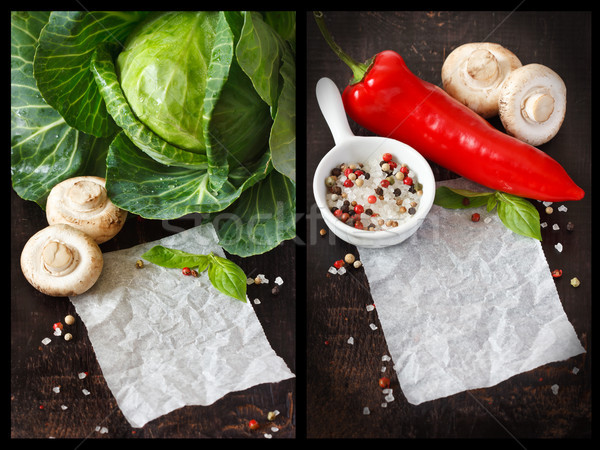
330	102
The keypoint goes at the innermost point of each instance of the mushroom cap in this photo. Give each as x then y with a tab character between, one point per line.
473	74
83	203
60	261
533	103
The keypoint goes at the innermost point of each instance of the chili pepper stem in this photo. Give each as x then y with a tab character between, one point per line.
358	69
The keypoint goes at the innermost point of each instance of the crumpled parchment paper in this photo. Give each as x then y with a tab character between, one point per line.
164	340
466	305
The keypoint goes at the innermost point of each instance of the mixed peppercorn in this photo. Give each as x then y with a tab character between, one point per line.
387	190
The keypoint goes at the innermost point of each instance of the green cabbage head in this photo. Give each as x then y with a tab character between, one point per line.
163	70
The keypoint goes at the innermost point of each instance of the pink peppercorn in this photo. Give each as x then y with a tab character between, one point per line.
371	199
348	182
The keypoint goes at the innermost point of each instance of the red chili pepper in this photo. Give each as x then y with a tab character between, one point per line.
386	98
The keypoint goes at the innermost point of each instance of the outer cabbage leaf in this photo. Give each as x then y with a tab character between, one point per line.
62	59
269	62
264	216
283	22
283	133
137	183
44	149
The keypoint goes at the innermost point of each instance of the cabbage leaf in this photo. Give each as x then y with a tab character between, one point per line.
72	115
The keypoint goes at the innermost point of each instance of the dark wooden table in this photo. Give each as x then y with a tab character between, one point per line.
342	379
36	369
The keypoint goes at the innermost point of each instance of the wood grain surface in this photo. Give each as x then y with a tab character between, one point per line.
342	379
336	381
36	410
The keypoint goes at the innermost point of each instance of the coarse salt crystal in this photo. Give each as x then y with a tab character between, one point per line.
103	430
85	392
370	307
351	340
384	405
546	203
63	407
366	411
562	208
575	370
341	271
373	326
274	429
332	270
256	301
262	278
268	436
249	281
46	341
555	227
82	375
56	389
386	358
389	398
543	224
488	219
57	332
559	247
383	368
554	388
278	281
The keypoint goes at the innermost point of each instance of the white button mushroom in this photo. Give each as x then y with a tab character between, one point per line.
533	103
473	73
83	203
60	260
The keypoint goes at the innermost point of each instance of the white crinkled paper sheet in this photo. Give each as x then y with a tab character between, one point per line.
466	305
164	340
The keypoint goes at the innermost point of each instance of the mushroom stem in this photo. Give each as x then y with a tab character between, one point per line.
538	107
482	67
58	258
86	195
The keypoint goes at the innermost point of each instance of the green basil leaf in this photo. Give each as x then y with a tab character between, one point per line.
519	215
454	198
227	277
175	259
491	204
